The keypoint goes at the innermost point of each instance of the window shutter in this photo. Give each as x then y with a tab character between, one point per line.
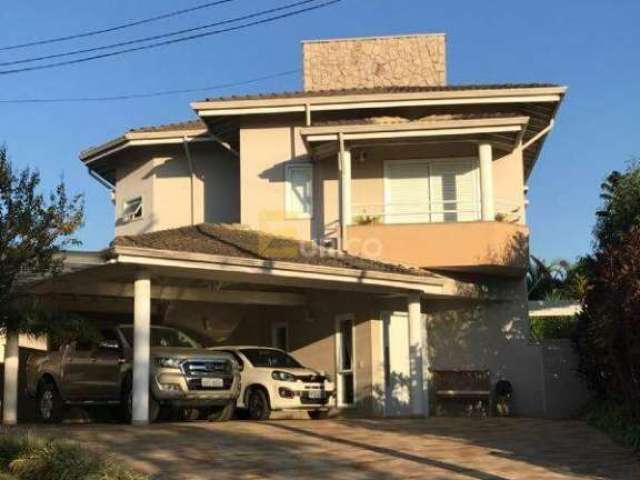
406	192
453	190
299	190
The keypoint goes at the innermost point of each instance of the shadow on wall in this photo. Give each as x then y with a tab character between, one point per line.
491	336
514	252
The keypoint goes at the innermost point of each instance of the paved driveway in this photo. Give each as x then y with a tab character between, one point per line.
438	448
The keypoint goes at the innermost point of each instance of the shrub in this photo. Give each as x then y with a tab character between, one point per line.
552	328
30	458
616	420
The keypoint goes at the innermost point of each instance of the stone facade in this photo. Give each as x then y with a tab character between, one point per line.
411	60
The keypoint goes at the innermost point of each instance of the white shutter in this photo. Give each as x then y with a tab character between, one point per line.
453	185
299	190
406	192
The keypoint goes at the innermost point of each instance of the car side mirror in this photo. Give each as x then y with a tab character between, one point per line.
109	345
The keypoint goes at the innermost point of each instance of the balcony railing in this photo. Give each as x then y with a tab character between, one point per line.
431	212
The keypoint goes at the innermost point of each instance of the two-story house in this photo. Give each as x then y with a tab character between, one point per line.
373	223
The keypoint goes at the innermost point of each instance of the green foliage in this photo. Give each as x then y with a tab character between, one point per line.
552	328
608	330
558	280
34	229
30	458
616	420
620	212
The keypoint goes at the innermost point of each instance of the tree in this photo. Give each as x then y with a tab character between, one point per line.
608	334
557	280
34	229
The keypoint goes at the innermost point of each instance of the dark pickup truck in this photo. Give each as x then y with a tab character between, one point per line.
183	375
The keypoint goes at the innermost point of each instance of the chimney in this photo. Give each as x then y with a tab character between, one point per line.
402	60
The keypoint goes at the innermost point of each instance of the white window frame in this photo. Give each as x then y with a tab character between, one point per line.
338	339
132	217
289	167
428	161
274	335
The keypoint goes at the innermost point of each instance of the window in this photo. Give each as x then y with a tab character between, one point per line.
299	190
422	191
345	380
162	337
269	358
280	336
132	209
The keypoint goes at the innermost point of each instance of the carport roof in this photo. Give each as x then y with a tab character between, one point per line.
241	242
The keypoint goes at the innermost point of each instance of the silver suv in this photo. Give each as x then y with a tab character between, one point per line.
183	375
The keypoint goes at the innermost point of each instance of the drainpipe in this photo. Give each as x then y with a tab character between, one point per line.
187	154
101	180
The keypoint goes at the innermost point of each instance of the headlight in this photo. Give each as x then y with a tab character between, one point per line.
169	362
282	376
327	378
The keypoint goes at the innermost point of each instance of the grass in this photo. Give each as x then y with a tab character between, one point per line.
615	420
27	457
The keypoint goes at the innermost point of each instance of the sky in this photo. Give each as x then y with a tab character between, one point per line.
591	46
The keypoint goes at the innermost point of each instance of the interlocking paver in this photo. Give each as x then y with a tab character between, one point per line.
436	448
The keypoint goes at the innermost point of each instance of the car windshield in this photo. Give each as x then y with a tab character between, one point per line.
268	357
163	337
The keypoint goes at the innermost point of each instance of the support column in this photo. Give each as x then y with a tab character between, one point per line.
141	348
345	192
10	396
416	355
485	153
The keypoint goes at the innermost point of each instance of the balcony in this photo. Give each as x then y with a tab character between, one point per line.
448	236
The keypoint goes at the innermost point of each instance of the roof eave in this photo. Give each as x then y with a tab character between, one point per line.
327	101
130	139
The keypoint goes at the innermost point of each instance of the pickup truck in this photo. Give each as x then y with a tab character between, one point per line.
183	375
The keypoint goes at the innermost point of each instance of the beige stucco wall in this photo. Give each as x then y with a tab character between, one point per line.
415	60
441	245
264	152
161	176
493	336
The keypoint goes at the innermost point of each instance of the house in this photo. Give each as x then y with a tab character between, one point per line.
373	223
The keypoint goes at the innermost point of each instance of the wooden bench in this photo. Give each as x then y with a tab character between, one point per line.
466	392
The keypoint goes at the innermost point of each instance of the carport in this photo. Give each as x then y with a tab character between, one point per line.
229	265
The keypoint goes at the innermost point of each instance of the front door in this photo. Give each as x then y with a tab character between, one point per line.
345	361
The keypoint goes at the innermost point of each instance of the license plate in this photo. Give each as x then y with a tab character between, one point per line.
212	382
315	394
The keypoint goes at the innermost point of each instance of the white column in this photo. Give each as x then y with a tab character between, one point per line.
416	355
141	348
10	395
485	153
344	160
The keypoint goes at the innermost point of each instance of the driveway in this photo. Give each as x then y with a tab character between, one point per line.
437	448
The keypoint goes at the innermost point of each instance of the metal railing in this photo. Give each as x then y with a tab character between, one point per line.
431	212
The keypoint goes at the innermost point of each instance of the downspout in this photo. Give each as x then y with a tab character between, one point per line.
538	135
101	180
187	154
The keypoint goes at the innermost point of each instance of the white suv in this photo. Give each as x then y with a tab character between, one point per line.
273	380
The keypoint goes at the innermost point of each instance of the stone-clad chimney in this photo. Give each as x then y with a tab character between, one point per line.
403	60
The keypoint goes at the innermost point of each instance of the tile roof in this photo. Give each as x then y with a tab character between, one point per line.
365	91
238	241
195	124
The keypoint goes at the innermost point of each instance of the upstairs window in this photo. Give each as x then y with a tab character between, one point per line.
426	191
299	190
132	209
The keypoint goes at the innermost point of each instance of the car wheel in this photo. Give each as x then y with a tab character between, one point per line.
258	405
126	404
318	414
50	404
224	413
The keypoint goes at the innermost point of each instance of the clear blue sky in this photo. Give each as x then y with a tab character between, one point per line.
591	46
